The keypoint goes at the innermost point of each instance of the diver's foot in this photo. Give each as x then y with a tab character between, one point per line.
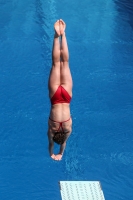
62	26
57	28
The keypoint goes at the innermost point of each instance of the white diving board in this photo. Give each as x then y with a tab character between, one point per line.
81	190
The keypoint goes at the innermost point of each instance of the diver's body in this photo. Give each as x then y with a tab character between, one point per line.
60	92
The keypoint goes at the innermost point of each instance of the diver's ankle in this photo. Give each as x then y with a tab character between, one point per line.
56	35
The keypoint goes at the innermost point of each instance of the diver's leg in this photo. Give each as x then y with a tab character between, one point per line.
66	78
54	78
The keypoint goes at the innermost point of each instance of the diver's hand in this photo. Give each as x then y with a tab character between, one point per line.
53	156
58	157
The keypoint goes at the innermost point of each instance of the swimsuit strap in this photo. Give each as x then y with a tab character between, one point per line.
60	126
60	123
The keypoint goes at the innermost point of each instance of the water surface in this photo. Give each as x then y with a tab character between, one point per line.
100	39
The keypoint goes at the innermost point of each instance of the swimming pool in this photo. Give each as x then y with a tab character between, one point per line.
100	39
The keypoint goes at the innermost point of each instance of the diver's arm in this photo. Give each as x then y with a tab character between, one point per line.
62	148
51	147
60	154
51	143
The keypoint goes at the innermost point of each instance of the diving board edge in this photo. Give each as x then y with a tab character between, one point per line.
81	190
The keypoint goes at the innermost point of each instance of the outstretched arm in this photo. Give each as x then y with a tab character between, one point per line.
51	144
62	148
51	147
60	154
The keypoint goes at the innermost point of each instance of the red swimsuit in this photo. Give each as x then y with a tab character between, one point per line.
60	96
60	124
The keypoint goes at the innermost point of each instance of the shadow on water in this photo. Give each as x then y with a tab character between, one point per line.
125	9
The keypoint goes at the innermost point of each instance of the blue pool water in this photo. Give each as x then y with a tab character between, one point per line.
100	39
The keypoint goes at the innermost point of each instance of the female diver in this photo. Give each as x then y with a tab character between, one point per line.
60	92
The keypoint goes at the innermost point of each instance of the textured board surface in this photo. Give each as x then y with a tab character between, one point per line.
81	190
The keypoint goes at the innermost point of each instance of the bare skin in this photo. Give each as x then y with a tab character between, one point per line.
60	75
57	28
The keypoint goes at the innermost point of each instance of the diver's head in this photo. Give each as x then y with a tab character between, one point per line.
59	138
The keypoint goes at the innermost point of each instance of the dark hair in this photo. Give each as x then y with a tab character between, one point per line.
59	138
